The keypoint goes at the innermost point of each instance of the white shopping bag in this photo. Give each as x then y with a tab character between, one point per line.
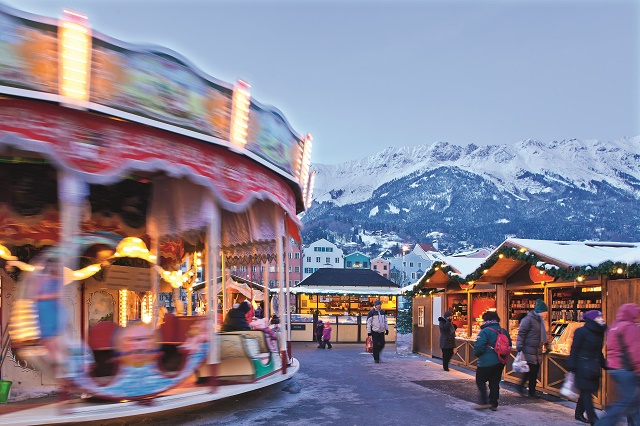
568	389
520	364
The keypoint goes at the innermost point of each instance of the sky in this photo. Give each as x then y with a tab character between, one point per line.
364	75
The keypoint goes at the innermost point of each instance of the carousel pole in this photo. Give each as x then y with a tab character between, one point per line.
212	249
189	290
72	193
287	299
267	299
282	344
154	244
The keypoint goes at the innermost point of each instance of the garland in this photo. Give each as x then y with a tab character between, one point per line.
607	269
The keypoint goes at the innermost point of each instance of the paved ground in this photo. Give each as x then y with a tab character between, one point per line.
343	386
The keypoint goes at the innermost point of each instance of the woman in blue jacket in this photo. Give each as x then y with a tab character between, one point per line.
489	366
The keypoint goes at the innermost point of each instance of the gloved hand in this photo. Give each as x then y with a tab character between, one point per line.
386	332
368	334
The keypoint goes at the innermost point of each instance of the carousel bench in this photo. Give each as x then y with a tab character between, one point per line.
244	356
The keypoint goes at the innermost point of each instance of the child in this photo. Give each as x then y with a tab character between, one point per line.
319	331
326	335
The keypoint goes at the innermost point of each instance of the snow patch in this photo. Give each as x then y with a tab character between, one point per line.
373	212
502	221
393	209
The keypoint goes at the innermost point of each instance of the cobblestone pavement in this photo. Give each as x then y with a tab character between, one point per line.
342	386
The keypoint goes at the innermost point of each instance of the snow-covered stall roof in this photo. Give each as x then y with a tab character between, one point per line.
579	253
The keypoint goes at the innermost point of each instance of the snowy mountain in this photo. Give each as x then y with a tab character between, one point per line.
574	189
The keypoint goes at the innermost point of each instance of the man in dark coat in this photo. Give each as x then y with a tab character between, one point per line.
532	336
586	361
235	319
319	331
447	338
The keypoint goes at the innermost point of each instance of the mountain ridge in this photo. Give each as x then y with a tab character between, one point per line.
419	190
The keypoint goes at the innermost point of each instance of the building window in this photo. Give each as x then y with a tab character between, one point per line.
348	264
254	269
375	267
337	260
296	269
365	265
309	259
290	255
384	267
419	264
328	260
330	249
410	264
262	268
296	282
272	268
271	284
296	255
318	259
413	275
289	268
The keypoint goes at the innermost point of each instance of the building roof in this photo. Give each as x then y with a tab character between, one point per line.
427	247
347	278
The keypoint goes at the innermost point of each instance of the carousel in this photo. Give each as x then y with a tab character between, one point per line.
133	182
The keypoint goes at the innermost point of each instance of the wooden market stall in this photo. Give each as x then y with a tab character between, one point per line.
570	277
344	297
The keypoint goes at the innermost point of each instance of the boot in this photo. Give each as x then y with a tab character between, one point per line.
581	418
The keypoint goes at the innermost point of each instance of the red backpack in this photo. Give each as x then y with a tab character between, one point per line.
501	347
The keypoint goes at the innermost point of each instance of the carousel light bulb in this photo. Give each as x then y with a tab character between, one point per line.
580	279
619	270
501	255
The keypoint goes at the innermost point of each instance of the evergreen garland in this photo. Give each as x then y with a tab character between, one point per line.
608	269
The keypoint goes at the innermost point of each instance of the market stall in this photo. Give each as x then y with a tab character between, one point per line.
343	297
570	277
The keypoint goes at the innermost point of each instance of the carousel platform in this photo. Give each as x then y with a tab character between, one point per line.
86	410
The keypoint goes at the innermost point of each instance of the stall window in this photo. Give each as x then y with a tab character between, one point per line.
420	316
481	303
457	304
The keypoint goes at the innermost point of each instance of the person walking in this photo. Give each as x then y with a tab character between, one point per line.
319	332
489	365
447	338
377	328
532	336
326	335
586	362
623	361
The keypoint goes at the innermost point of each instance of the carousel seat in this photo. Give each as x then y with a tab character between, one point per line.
173	332
100	340
244	356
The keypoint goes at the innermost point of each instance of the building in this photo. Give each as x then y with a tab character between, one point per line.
256	273
408	268
357	260
382	267
321	254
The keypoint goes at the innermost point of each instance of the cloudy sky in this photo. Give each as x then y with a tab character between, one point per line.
362	75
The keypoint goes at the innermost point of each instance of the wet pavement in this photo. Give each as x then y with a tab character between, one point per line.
342	386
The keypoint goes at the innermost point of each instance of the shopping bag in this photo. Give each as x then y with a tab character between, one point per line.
568	389
369	345
520	364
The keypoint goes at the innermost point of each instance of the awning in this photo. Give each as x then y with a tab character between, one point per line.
373	291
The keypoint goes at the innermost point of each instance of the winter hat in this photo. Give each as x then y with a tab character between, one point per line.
447	314
490	316
592	315
319	321
540	306
377	302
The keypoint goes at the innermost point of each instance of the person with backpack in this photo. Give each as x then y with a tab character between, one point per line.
492	347
532	336
623	362
586	362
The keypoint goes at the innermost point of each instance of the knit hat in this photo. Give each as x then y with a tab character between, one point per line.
447	314
592	315
540	306
377	302
490	316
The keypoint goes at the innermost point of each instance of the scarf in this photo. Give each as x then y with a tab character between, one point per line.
486	323
543	329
